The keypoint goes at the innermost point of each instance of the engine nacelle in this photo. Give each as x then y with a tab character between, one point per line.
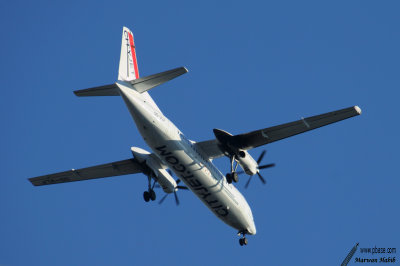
247	162
155	169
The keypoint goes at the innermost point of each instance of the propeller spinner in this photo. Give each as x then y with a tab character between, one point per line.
265	166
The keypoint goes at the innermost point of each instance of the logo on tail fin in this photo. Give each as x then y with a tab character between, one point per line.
128	68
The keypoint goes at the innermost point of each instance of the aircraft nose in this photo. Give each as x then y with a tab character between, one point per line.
251	229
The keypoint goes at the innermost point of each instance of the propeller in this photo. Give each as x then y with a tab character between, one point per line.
265	166
175	194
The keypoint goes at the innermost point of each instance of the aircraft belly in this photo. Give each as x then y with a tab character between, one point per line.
210	188
177	152
148	120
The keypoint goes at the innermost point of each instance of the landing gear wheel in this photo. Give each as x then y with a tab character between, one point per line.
235	177
152	195
243	241
146	196
228	178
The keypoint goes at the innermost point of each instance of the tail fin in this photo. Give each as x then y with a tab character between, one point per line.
128	67
129	73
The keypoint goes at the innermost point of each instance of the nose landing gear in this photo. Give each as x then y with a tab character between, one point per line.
242	240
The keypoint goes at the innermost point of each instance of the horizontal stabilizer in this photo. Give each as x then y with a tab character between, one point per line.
146	83
107	90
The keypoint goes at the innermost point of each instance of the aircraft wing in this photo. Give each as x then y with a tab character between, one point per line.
124	167
264	136
210	148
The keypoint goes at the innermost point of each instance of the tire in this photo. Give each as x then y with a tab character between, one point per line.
244	241
146	196
235	177
228	178
241	241
152	195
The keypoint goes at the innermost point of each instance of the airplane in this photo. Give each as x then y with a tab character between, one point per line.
189	160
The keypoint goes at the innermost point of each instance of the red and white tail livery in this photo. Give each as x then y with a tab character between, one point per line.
128	67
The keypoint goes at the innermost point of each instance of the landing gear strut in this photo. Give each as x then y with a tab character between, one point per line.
150	194
232	176
242	240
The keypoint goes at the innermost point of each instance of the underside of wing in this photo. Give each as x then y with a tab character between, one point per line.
210	148
118	168
214	149
267	135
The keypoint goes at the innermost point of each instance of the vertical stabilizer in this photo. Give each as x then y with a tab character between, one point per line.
128	67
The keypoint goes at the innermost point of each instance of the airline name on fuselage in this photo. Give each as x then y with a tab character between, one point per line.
192	181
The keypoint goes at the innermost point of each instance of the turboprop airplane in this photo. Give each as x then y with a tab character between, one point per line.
190	161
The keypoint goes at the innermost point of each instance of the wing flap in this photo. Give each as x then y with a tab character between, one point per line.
118	168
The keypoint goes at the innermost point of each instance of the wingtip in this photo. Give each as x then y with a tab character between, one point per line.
358	109
31	180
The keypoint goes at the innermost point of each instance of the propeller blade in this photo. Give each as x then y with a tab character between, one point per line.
266	166
248	182
261	178
163	198
261	156
175	194
176	199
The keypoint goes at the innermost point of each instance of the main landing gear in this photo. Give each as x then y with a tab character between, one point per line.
242	240
233	175
150	194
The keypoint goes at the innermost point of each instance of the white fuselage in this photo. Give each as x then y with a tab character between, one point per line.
188	163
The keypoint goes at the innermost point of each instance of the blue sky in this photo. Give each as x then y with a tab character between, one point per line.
251	65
